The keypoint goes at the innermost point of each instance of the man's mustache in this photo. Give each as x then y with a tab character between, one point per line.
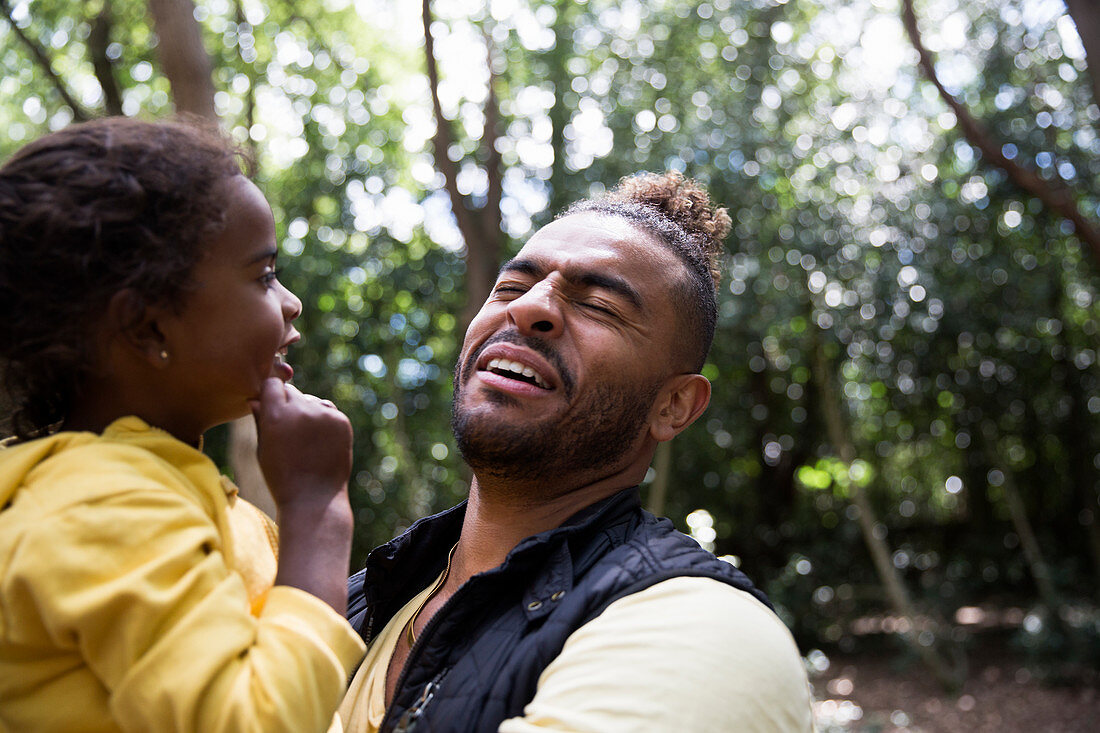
539	346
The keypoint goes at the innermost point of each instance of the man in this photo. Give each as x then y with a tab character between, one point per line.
550	600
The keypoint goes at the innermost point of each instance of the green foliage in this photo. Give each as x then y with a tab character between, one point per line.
957	317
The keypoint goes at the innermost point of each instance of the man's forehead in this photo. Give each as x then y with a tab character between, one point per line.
595	236
593	225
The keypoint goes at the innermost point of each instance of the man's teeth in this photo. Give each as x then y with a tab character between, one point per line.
280	357
516	368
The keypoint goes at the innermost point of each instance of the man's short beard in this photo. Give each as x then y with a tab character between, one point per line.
597	437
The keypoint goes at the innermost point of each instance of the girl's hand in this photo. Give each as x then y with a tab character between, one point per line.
303	444
304	447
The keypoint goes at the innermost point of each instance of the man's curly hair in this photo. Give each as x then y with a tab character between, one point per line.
679	213
84	213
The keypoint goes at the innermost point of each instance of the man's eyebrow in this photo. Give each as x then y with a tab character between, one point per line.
520	265
588	279
609	282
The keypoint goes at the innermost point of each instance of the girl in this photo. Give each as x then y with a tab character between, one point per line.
139	307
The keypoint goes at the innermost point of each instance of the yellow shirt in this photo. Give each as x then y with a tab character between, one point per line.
135	595
364	703
686	654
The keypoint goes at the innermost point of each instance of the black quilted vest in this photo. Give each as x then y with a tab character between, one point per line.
478	660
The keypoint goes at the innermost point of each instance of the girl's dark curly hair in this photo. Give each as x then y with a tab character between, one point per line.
84	213
679	213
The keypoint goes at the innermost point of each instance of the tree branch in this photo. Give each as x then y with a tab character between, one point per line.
493	165
1054	195
442	140
480	229
557	59
98	40
484	254
43	61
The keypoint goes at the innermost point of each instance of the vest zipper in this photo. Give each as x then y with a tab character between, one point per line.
432	687
408	720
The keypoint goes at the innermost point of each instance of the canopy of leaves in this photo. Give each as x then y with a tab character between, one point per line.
874	248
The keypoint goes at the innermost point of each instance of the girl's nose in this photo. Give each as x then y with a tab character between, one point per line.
292	306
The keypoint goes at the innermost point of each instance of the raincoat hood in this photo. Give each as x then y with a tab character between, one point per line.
18	460
128	438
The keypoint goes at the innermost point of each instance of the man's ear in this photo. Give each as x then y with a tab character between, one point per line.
133	324
681	400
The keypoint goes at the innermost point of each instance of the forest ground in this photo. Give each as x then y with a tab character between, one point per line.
872	692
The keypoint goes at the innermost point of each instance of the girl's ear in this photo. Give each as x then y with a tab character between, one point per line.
134	324
681	400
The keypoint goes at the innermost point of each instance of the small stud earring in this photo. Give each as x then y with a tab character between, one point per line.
164	355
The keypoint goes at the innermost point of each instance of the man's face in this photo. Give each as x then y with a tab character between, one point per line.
561	366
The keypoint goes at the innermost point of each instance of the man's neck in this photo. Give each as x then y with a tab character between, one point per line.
498	517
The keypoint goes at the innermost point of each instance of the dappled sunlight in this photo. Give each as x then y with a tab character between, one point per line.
906	394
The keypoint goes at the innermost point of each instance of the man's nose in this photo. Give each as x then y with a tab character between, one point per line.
537	312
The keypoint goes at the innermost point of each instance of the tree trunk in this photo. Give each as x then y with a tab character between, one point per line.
556	59
1033	555
183	57
99	38
1040	570
246	468
891	580
479	226
491	215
